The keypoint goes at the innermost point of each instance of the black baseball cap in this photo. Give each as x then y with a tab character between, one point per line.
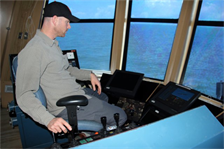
60	10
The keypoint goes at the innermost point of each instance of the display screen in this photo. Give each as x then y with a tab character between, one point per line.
183	94
125	83
174	97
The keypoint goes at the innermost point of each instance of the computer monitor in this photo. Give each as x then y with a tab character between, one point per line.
174	98
124	83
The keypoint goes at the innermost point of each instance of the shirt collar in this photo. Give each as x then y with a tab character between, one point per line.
46	39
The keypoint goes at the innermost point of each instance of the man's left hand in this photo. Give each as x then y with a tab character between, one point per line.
95	82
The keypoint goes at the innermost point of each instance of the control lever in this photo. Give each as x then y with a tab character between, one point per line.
116	117
104	123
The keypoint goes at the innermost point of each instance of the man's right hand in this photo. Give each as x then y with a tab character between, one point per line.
57	125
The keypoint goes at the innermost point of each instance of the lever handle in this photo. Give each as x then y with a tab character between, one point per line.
116	117
104	122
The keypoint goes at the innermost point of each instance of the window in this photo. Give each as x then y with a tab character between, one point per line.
92	36
205	66
150	35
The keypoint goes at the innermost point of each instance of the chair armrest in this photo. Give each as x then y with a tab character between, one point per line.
77	100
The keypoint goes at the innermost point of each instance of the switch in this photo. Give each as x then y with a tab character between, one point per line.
20	35
26	35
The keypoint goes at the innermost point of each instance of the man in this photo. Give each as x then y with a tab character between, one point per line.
41	63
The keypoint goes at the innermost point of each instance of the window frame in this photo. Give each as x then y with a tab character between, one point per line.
142	20
198	23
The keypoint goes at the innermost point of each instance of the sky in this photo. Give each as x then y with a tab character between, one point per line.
104	9
212	10
91	9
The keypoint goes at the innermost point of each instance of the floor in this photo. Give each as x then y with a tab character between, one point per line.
10	137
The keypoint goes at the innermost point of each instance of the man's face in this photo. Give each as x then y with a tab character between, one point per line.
62	26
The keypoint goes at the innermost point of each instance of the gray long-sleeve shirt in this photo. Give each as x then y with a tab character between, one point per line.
41	63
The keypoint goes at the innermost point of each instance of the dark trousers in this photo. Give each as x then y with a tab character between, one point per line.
98	107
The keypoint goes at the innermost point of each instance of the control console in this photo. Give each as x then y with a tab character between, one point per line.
105	132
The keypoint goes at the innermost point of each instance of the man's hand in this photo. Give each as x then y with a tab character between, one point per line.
57	125
95	82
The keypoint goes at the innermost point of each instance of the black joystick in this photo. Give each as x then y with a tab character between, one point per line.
116	117
104	123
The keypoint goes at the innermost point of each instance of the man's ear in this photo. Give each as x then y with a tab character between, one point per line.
54	20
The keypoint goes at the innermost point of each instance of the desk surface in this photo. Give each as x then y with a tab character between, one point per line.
191	129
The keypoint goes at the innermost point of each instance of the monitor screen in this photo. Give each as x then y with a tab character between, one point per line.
182	94
175	98
124	83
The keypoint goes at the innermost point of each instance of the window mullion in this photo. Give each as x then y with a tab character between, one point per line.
178	54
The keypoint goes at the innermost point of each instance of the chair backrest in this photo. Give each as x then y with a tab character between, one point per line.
39	93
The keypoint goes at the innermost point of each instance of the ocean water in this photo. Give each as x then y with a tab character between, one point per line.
206	62
93	44
149	50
